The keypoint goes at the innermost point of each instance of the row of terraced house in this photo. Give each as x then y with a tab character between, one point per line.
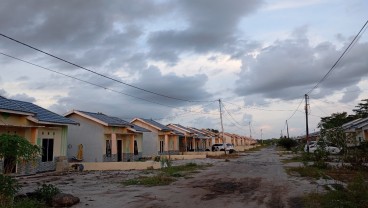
96	137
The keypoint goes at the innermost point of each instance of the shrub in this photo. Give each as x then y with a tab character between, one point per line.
46	192
287	143
8	188
165	162
28	203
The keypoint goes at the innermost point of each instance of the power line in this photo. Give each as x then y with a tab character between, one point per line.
261	109
231	116
97	85
235	124
99	74
301	101
338	60
180	115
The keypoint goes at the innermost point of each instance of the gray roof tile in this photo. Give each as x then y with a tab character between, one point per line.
7	104
111	121
157	124
39	113
44	115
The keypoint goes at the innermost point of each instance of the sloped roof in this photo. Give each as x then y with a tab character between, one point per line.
199	133
38	113
140	129
109	120
7	104
185	128
135	127
43	115
157	124
357	123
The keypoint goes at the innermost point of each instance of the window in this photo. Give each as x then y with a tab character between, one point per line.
47	150
108	148
161	146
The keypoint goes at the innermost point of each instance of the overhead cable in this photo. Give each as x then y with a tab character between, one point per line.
338	60
99	74
97	85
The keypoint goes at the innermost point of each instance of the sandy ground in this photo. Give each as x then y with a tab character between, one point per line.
255	179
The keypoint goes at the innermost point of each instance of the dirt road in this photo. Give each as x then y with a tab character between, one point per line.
255	179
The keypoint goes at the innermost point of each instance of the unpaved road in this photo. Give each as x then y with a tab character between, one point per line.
255	179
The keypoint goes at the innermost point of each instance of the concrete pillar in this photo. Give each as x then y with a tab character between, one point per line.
193	143
114	149
34	134
175	142
185	144
166	144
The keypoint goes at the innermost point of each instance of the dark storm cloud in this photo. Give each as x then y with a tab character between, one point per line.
351	94
23	97
291	67
88	33
212	27
108	103
187	87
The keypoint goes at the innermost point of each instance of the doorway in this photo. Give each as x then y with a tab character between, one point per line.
119	151
161	146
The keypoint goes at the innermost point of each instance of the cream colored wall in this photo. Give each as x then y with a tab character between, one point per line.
227	139
114	130
173	142
15	130
51	133
144	125
14	119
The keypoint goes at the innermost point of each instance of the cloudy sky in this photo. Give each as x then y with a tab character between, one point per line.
258	57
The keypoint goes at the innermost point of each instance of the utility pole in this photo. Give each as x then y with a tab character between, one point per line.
222	127
281	134
287	129
306	121
261	137
250	131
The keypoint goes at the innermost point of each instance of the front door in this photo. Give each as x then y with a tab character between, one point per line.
120	152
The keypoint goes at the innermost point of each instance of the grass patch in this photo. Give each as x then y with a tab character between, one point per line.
181	170
165	176
227	156
307	171
346	174
355	195
254	149
157	180
293	159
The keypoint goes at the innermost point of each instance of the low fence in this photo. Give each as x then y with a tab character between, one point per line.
117	165
243	148
217	153
185	157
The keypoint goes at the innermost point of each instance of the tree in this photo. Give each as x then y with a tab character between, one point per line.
287	143
335	120
13	149
16	149
361	110
213	130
